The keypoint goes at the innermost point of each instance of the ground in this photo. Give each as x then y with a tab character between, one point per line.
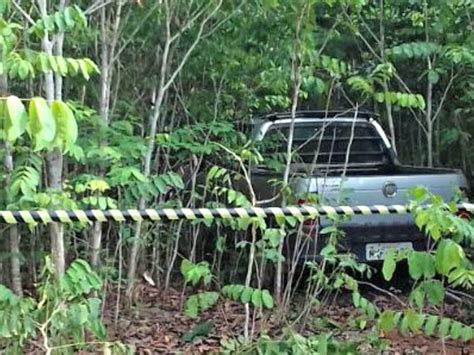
156	325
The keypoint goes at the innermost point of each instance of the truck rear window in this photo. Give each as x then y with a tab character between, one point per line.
326	143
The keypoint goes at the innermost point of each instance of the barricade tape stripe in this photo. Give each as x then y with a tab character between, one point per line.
168	214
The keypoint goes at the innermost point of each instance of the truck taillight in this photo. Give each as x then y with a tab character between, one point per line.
465	194
463	214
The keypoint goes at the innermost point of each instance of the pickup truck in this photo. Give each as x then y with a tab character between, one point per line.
345	158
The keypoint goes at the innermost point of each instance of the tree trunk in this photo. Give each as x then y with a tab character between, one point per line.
388	105
429	144
108	44
296	81
14	237
158	100
15	262
54	159
429	97
429	123
96	239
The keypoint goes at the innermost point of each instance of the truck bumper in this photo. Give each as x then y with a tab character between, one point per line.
356	238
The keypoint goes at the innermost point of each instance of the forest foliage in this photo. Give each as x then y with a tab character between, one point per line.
143	104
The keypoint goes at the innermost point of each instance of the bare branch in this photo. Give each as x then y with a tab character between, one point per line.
443	98
97	6
192	47
135	31
189	23
24	13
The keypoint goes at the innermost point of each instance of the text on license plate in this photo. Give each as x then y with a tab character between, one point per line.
377	251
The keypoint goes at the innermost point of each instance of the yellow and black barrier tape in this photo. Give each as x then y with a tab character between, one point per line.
168	214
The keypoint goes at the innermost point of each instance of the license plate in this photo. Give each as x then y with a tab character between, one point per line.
377	251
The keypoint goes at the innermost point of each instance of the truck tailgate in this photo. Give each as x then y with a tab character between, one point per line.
369	190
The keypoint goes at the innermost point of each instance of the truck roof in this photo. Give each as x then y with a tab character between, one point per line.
311	114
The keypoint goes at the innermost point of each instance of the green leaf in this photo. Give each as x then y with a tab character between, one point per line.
433	76
456	330
257	298
467	333
389	264
387	321
91	66
186	265
448	256
207	299
176	180
59	21
49	23
199	330
79	314
421	264
62	66
356	298
69	17
160	184
195	272
66	126
430	325
44	62
328	230
414	320
371	310
83	68
23	69
418	295
73	66
191	307
273	236
41	123
16	118
267	299
246	295
53	64
404	326
323	344
236	291
434	291
421	101
444	326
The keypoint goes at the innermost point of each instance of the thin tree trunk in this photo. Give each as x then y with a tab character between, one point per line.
296	79
429	123
54	159
429	98
429	144
388	105
107	50
462	144
419	150
95	244
437	147
14	237
15	262
157	102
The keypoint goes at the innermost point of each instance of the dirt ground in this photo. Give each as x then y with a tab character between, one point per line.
156	325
